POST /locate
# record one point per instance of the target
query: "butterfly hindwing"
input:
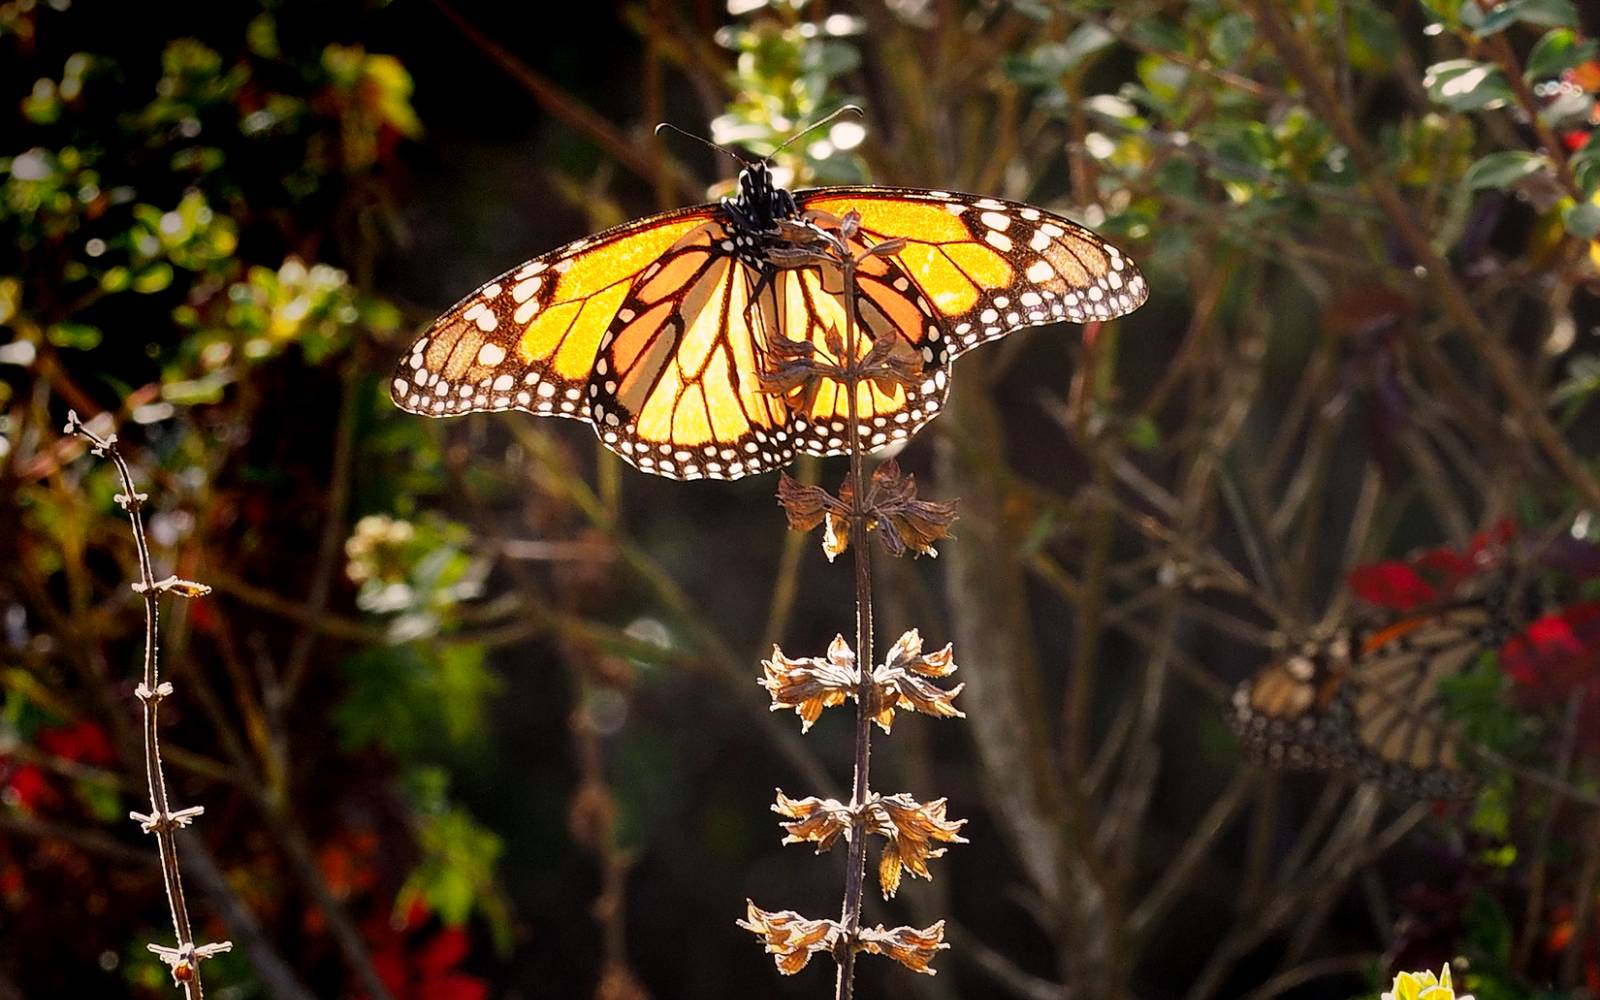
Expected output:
(991, 266)
(1396, 704)
(1289, 713)
(807, 305)
(676, 388)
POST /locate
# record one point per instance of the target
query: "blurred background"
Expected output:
(473, 708)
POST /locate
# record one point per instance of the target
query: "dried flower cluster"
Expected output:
(791, 940)
(904, 681)
(902, 521)
(909, 826)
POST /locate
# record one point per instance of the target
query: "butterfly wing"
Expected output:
(528, 339)
(677, 386)
(663, 332)
(1381, 715)
(1288, 714)
(989, 266)
(1396, 707)
(807, 305)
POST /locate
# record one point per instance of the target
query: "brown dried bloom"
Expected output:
(911, 827)
(803, 505)
(821, 821)
(902, 521)
(791, 939)
(791, 365)
(901, 682)
(810, 684)
(912, 948)
(808, 506)
(893, 511)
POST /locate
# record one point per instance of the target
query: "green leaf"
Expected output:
(153, 278)
(1142, 434)
(1374, 38)
(10, 298)
(1504, 169)
(1585, 164)
(1582, 220)
(1231, 38)
(1478, 701)
(456, 873)
(76, 336)
(1046, 64)
(1579, 387)
(1466, 85)
(1491, 811)
(1161, 33)
(1088, 39)
(102, 802)
(1558, 51)
(1547, 13)
(115, 279)
(1552, 13)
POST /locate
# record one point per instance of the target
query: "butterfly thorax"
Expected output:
(755, 212)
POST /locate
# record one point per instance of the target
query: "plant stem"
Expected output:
(150, 696)
(855, 870)
(184, 960)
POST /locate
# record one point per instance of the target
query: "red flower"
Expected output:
(1392, 585)
(1430, 575)
(84, 742)
(26, 787)
(1556, 657)
(416, 968)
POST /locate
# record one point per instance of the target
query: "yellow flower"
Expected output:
(1423, 986)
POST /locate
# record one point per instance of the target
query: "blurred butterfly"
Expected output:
(1368, 701)
(660, 332)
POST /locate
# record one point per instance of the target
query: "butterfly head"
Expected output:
(761, 203)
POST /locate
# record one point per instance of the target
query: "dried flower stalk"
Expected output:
(888, 506)
(183, 960)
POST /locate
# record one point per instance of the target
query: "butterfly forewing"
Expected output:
(528, 339)
(991, 266)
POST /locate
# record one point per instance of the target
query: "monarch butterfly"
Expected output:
(659, 332)
(1369, 700)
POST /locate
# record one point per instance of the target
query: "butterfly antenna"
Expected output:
(848, 109)
(669, 127)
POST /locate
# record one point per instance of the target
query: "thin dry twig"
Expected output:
(183, 960)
